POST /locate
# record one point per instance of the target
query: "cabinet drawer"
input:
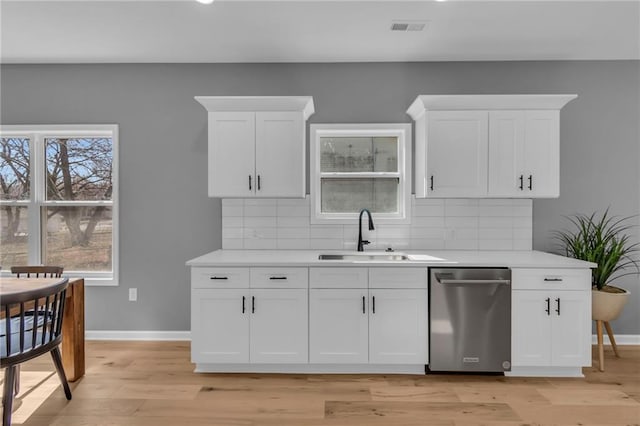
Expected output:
(219, 277)
(551, 279)
(338, 277)
(400, 277)
(279, 278)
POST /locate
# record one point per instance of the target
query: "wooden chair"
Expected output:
(38, 271)
(25, 337)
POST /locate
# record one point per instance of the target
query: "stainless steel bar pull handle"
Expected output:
(530, 182)
(258, 182)
(464, 282)
(249, 182)
(277, 278)
(553, 279)
(431, 179)
(373, 306)
(548, 310)
(521, 187)
(558, 304)
(253, 304)
(363, 305)
(218, 278)
(243, 300)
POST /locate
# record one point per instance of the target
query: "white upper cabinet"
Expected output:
(456, 154)
(257, 145)
(487, 145)
(524, 153)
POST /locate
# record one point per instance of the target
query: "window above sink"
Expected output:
(356, 166)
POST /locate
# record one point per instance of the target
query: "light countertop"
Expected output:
(485, 258)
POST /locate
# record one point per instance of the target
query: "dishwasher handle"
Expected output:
(472, 281)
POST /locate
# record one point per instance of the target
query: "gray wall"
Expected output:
(166, 217)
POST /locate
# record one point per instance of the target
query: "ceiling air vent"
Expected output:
(408, 25)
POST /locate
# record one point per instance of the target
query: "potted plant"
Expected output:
(603, 240)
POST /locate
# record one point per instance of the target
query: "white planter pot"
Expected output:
(607, 306)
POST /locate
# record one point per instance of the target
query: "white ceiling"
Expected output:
(94, 31)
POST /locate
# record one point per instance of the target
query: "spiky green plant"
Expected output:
(603, 241)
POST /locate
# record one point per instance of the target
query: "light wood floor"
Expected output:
(152, 384)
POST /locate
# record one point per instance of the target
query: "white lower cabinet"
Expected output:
(376, 326)
(278, 326)
(338, 326)
(262, 318)
(551, 326)
(219, 327)
(240, 326)
(398, 326)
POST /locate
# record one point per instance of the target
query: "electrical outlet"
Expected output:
(133, 294)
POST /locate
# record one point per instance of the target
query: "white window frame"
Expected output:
(37, 197)
(402, 131)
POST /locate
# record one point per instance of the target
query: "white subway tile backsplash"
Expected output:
(326, 243)
(259, 233)
(326, 231)
(292, 222)
(260, 211)
(428, 210)
(232, 222)
(260, 202)
(426, 244)
(522, 244)
(260, 244)
(461, 210)
(522, 233)
(463, 224)
(232, 243)
(232, 232)
(260, 222)
(293, 243)
(291, 210)
(461, 244)
(495, 244)
(232, 210)
(495, 222)
(293, 233)
(495, 234)
(426, 233)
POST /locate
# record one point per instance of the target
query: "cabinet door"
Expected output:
(457, 153)
(279, 321)
(280, 154)
(571, 328)
(219, 328)
(231, 154)
(338, 326)
(542, 153)
(506, 154)
(531, 328)
(398, 327)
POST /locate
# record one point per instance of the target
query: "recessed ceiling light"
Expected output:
(205, 1)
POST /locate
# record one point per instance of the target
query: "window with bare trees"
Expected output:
(58, 195)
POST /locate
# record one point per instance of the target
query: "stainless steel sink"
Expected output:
(364, 257)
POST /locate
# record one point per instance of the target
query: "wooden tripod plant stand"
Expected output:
(601, 344)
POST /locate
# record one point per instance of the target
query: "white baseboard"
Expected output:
(621, 339)
(136, 335)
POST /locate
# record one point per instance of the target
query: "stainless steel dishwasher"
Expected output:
(470, 319)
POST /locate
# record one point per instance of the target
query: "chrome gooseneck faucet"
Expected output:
(361, 242)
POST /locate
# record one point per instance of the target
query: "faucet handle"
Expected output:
(365, 242)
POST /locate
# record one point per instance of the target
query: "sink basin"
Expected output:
(382, 257)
